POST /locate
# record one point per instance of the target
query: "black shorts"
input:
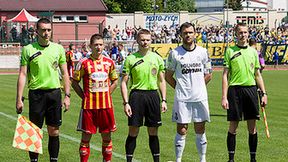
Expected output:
(243, 100)
(145, 104)
(45, 104)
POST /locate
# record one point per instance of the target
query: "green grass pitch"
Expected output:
(269, 150)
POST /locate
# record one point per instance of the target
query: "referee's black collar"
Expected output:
(44, 45)
(189, 50)
(242, 47)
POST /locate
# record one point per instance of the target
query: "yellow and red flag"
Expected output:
(27, 136)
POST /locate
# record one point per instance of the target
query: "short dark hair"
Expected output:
(239, 24)
(95, 37)
(43, 20)
(70, 46)
(143, 31)
(186, 25)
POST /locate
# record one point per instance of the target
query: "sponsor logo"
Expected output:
(99, 76)
(191, 68)
(154, 71)
(252, 66)
(55, 65)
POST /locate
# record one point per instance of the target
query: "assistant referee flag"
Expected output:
(27, 136)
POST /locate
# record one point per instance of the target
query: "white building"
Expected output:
(262, 5)
(255, 5)
(279, 5)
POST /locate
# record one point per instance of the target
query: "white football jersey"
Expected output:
(189, 68)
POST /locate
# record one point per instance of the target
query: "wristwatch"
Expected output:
(68, 95)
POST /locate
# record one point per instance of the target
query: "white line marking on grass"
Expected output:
(74, 139)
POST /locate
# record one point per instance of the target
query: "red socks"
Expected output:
(84, 151)
(107, 150)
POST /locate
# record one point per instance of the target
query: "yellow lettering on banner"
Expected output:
(268, 55)
(217, 50)
(285, 58)
(163, 49)
(280, 48)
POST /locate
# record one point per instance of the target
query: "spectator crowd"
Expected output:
(114, 50)
(205, 34)
(24, 36)
(162, 34)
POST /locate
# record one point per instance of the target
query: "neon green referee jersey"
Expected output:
(242, 63)
(42, 65)
(144, 70)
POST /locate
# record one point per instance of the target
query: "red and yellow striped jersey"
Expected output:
(70, 63)
(97, 75)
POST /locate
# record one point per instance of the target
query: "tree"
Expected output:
(113, 6)
(147, 6)
(130, 6)
(180, 5)
(235, 4)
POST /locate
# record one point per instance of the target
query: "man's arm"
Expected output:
(20, 88)
(77, 88)
(124, 93)
(66, 80)
(113, 85)
(225, 103)
(260, 84)
(170, 79)
(162, 87)
(207, 78)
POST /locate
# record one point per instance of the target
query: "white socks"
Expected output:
(201, 143)
(179, 146)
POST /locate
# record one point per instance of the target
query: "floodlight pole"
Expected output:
(154, 10)
(227, 8)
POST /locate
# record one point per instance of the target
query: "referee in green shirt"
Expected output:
(40, 62)
(145, 69)
(239, 91)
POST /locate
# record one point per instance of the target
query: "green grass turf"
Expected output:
(269, 150)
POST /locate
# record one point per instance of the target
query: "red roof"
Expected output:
(23, 16)
(53, 5)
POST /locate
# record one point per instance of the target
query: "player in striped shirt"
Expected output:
(70, 59)
(99, 81)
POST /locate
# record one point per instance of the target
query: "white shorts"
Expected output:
(187, 112)
(114, 57)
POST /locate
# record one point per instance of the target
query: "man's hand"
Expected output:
(264, 100)
(164, 107)
(127, 110)
(66, 103)
(225, 104)
(19, 106)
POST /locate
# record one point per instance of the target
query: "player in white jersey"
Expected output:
(192, 68)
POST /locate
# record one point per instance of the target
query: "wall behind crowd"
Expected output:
(270, 18)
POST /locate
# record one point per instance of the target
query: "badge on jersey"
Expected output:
(153, 71)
